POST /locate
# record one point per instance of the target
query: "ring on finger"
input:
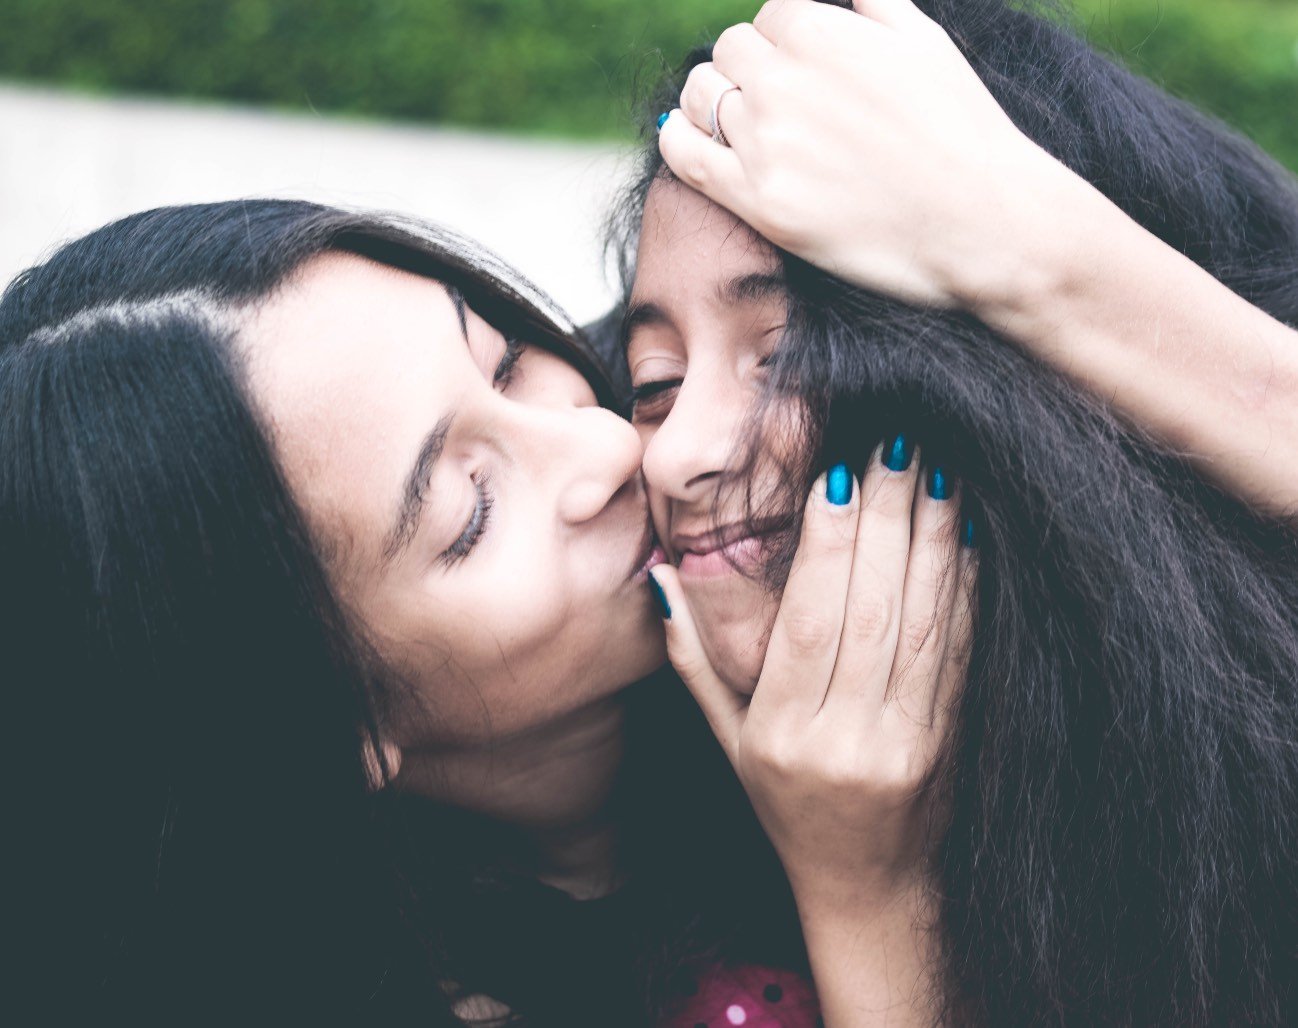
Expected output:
(718, 134)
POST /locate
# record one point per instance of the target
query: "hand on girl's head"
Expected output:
(903, 201)
(865, 663)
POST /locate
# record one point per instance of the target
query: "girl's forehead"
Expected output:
(683, 229)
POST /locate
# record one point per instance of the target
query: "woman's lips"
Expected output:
(739, 553)
(656, 556)
(649, 555)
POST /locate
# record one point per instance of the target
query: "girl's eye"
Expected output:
(504, 373)
(476, 526)
(770, 339)
(653, 399)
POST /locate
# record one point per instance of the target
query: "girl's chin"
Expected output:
(734, 615)
(737, 657)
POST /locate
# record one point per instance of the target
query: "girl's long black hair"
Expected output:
(187, 705)
(1124, 773)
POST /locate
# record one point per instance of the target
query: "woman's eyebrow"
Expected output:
(765, 285)
(412, 494)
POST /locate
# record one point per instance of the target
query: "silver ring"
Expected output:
(718, 135)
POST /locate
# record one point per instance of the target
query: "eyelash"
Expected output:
(646, 392)
(643, 394)
(480, 519)
(477, 526)
(504, 373)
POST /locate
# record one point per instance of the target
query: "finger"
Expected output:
(742, 54)
(896, 14)
(721, 705)
(927, 598)
(873, 609)
(804, 639)
(959, 643)
(715, 171)
(798, 25)
(706, 92)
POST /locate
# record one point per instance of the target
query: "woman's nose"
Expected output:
(695, 442)
(590, 454)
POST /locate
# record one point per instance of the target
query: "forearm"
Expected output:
(1142, 327)
(873, 963)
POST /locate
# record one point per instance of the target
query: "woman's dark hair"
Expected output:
(189, 706)
(1124, 772)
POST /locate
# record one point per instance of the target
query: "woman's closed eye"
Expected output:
(653, 398)
(507, 368)
(476, 527)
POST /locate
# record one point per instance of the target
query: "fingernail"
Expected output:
(969, 537)
(939, 483)
(662, 119)
(897, 454)
(838, 485)
(660, 598)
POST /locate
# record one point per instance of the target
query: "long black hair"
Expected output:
(1124, 768)
(188, 706)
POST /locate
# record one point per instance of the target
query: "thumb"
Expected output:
(722, 706)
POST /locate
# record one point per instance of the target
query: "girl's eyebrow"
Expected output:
(764, 285)
(640, 314)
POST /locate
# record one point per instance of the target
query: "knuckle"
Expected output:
(728, 42)
(775, 199)
(869, 618)
(689, 664)
(843, 771)
(897, 776)
(808, 631)
(916, 635)
(805, 34)
(935, 32)
(692, 87)
(773, 754)
(694, 170)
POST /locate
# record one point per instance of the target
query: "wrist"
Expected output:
(864, 896)
(1036, 252)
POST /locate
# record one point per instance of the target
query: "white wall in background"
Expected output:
(70, 163)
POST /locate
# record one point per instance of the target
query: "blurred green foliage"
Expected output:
(560, 66)
(1235, 58)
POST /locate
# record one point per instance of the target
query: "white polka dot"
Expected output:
(735, 1014)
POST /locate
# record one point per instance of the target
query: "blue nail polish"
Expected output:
(969, 537)
(660, 598)
(897, 454)
(939, 484)
(838, 485)
(662, 119)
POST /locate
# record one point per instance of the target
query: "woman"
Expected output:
(870, 145)
(1115, 820)
(298, 501)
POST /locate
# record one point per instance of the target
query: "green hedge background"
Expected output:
(563, 67)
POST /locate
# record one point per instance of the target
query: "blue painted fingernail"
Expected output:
(969, 537)
(897, 454)
(660, 598)
(838, 485)
(939, 483)
(662, 119)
